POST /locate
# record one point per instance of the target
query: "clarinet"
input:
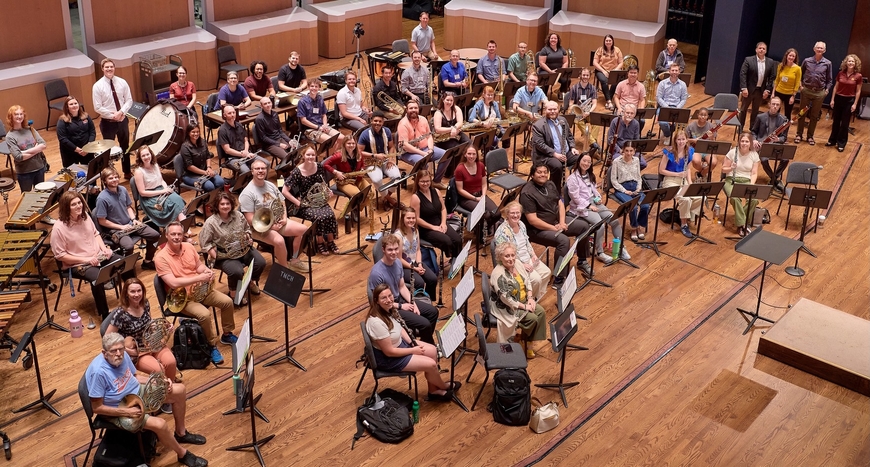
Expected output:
(402, 323)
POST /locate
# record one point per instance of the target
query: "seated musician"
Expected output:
(491, 68)
(413, 265)
(765, 125)
(545, 217)
(159, 200)
(226, 239)
(453, 76)
(374, 144)
(627, 183)
(114, 212)
(233, 140)
(671, 93)
(311, 112)
(416, 80)
(622, 129)
(529, 99)
(630, 91)
(112, 376)
(75, 128)
(552, 57)
(346, 160)
(432, 217)
(130, 320)
(417, 142)
(418, 314)
(703, 164)
(423, 39)
(448, 122)
(486, 113)
(268, 127)
(233, 94)
(674, 166)
(583, 91)
(307, 175)
(553, 143)
(515, 305)
(585, 202)
(513, 231)
(518, 63)
(395, 350)
(258, 84)
(671, 55)
(262, 193)
(471, 184)
(354, 114)
(197, 162)
(390, 88)
(77, 244)
(607, 58)
(741, 166)
(291, 76)
(184, 93)
(179, 265)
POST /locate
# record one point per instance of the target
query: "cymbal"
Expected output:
(99, 146)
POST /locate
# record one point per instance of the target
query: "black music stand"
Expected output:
(777, 153)
(562, 328)
(355, 209)
(43, 401)
(511, 132)
(452, 155)
(240, 385)
(593, 229)
(643, 146)
(769, 248)
(616, 76)
(713, 114)
(644, 114)
(285, 285)
(308, 244)
(456, 318)
(463, 101)
(622, 211)
(672, 115)
(657, 196)
(808, 198)
(748, 192)
(704, 190)
(97, 164)
(707, 146)
(568, 289)
(546, 81)
(510, 89)
(603, 120)
(419, 165)
(255, 443)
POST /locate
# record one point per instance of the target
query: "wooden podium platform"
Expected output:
(822, 341)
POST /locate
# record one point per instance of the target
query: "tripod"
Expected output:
(357, 57)
(43, 401)
(704, 190)
(808, 198)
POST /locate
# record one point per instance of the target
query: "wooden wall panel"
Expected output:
(462, 31)
(117, 20)
(638, 10)
(35, 26)
(231, 9)
(32, 98)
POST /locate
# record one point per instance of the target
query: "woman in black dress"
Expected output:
(551, 58)
(432, 221)
(316, 208)
(74, 130)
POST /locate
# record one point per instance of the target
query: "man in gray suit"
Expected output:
(553, 143)
(756, 82)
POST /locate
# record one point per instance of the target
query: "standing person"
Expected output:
(491, 68)
(354, 114)
(454, 77)
(513, 231)
(669, 56)
(529, 100)
(702, 163)
(226, 239)
(552, 57)
(554, 143)
(26, 148)
(788, 81)
(756, 82)
(233, 94)
(817, 75)
(303, 178)
(159, 200)
(471, 184)
(184, 92)
(74, 130)
(390, 88)
(741, 166)
(112, 101)
(412, 253)
(626, 180)
(179, 265)
(423, 39)
(416, 80)
(674, 166)
(258, 84)
(585, 202)
(412, 127)
(607, 58)
(447, 122)
(845, 100)
(311, 112)
(268, 127)
(672, 93)
(432, 219)
(515, 304)
(291, 76)
(376, 144)
(765, 125)
(197, 162)
(114, 212)
(518, 63)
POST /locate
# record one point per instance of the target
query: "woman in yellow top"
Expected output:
(608, 58)
(788, 82)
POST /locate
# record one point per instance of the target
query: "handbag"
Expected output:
(545, 417)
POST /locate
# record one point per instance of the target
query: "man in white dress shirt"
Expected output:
(112, 100)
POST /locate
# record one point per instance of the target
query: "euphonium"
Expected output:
(628, 61)
(394, 106)
(154, 393)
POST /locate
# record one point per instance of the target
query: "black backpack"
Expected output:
(390, 423)
(191, 348)
(120, 448)
(512, 398)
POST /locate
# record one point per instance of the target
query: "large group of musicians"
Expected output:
(410, 113)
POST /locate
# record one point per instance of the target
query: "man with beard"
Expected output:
(258, 83)
(554, 143)
(291, 76)
(411, 128)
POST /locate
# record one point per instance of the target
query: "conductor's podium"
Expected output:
(472, 23)
(381, 20)
(269, 37)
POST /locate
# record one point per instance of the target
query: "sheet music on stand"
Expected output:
(241, 347)
(243, 284)
(567, 258)
(476, 214)
(464, 289)
(569, 288)
(452, 334)
(460, 259)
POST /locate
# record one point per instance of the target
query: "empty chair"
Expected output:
(54, 90)
(800, 173)
(493, 357)
(226, 57)
(497, 160)
(211, 104)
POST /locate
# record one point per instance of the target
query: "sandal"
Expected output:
(811, 141)
(333, 248)
(321, 248)
(797, 139)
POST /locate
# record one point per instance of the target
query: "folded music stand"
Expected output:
(810, 199)
(769, 248)
(658, 196)
(355, 209)
(748, 192)
(777, 153)
(704, 190)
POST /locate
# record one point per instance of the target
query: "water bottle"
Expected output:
(280, 183)
(415, 412)
(716, 211)
(75, 324)
(614, 253)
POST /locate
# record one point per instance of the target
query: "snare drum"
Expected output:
(116, 153)
(170, 117)
(45, 187)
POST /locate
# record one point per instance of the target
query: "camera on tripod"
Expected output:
(358, 30)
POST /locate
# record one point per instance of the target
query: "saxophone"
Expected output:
(350, 177)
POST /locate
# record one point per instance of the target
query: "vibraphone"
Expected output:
(30, 209)
(10, 303)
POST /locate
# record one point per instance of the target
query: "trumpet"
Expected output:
(394, 106)
(161, 200)
(200, 182)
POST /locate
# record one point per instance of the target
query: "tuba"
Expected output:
(394, 106)
(628, 61)
(154, 393)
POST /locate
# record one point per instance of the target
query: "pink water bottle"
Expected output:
(75, 324)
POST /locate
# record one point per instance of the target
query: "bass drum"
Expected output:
(171, 117)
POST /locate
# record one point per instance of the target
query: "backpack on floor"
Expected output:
(191, 349)
(385, 420)
(512, 397)
(120, 448)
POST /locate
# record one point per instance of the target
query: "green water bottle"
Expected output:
(415, 412)
(614, 253)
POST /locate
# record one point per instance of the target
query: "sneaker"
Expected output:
(216, 356)
(557, 283)
(624, 255)
(298, 266)
(48, 220)
(192, 460)
(166, 408)
(229, 339)
(584, 267)
(686, 232)
(604, 257)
